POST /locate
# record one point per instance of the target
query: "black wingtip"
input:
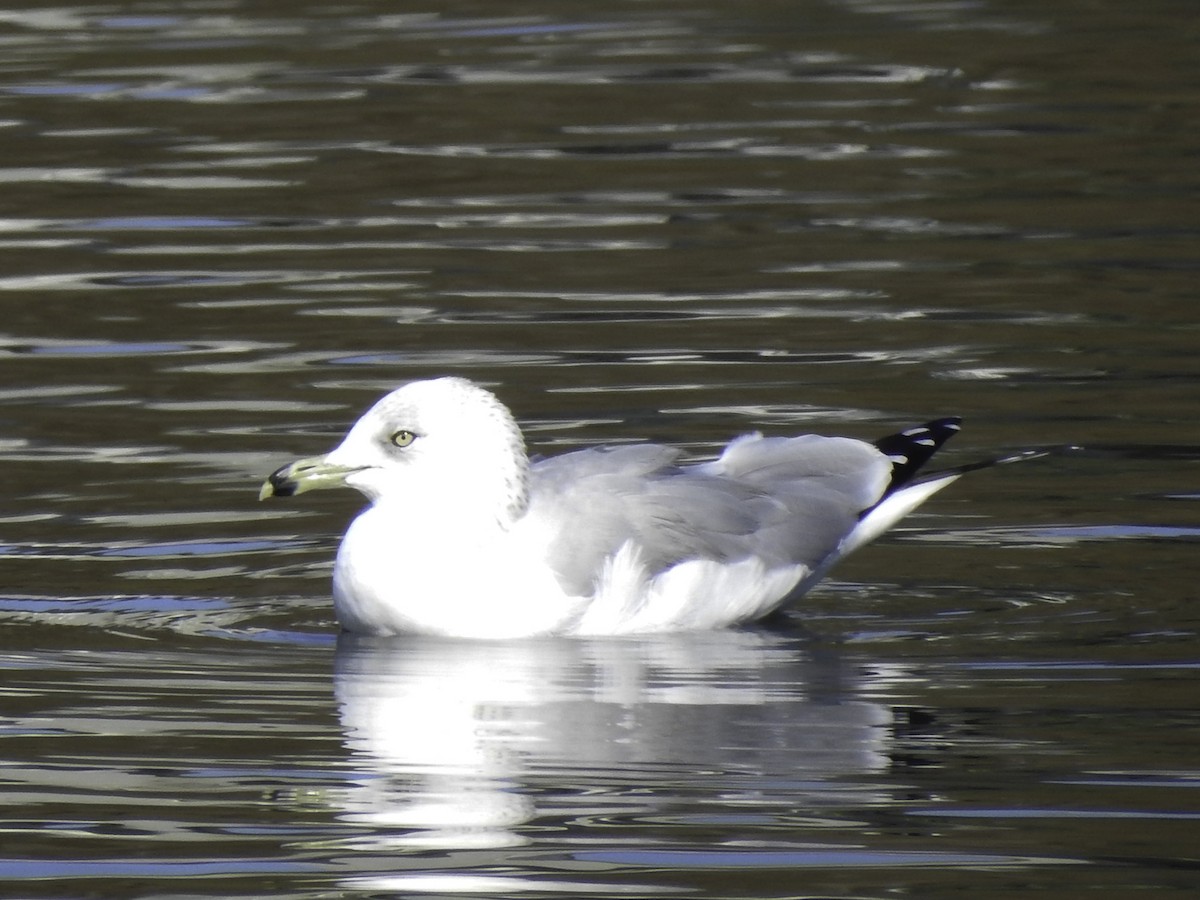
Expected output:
(1021, 456)
(911, 448)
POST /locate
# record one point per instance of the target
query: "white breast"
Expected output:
(395, 575)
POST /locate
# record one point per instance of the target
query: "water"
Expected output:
(226, 227)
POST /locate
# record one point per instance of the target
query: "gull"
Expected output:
(466, 536)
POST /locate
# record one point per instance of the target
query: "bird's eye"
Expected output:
(402, 438)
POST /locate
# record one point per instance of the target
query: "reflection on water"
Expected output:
(449, 732)
(460, 747)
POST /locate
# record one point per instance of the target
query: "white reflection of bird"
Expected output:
(463, 744)
(465, 536)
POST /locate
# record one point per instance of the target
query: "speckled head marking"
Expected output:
(446, 440)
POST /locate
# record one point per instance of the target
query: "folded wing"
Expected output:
(781, 501)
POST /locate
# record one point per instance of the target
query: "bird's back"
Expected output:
(782, 501)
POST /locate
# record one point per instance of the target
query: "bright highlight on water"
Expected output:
(466, 536)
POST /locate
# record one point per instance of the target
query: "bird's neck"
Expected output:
(467, 497)
(509, 490)
(503, 480)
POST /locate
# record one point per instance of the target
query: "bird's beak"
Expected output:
(303, 475)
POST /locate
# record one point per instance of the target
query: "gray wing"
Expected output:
(783, 500)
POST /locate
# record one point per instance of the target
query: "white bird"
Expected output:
(466, 536)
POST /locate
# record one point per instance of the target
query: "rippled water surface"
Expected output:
(226, 227)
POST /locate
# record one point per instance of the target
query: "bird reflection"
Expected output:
(458, 744)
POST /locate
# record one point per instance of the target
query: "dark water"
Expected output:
(226, 227)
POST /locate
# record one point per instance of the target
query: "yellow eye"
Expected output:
(402, 438)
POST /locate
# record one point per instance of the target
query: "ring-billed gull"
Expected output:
(466, 536)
